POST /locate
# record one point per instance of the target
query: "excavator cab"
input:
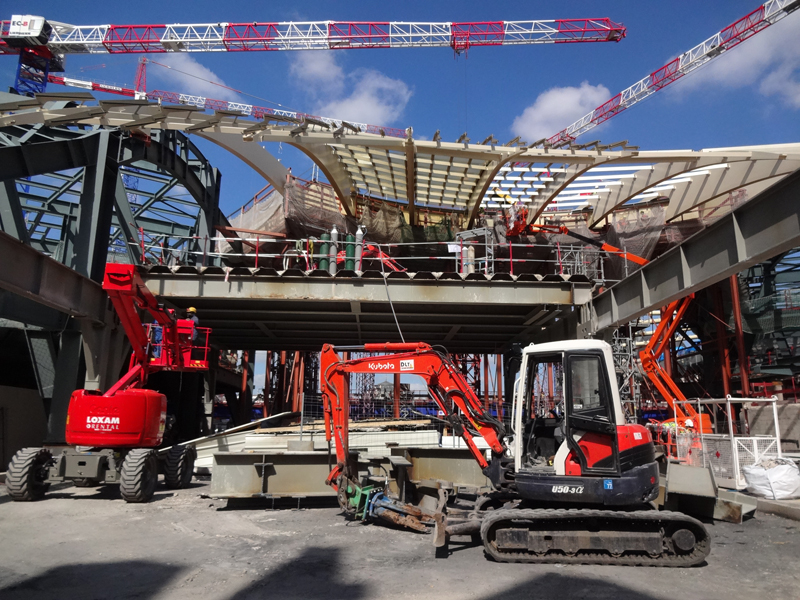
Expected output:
(573, 444)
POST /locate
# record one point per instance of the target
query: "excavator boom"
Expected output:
(447, 386)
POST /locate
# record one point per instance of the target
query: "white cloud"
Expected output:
(374, 98)
(770, 59)
(259, 371)
(188, 76)
(557, 108)
(319, 70)
(363, 96)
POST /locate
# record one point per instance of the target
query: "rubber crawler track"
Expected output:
(647, 520)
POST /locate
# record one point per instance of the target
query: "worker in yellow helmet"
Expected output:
(191, 315)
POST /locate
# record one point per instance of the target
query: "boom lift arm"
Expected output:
(128, 293)
(670, 320)
(520, 227)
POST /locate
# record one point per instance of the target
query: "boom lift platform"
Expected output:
(112, 434)
(571, 483)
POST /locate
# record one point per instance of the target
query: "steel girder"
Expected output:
(60, 175)
(30, 274)
(61, 194)
(756, 231)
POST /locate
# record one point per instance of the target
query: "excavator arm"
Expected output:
(447, 386)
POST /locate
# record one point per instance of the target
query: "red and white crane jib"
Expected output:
(765, 15)
(318, 35)
(258, 112)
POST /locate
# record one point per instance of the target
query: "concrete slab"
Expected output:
(789, 509)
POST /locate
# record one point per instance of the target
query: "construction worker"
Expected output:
(191, 315)
(198, 353)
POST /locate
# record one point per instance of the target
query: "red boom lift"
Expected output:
(113, 434)
(520, 226)
(685, 415)
(583, 457)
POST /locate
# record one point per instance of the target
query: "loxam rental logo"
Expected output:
(102, 423)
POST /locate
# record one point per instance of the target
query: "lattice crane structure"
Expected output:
(42, 44)
(522, 182)
(734, 34)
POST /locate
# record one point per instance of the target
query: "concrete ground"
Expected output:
(88, 544)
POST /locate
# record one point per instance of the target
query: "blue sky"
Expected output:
(750, 95)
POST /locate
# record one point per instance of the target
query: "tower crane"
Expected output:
(731, 36)
(258, 112)
(42, 44)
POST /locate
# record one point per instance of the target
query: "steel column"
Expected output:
(736, 307)
(86, 241)
(68, 378)
(126, 221)
(11, 219)
(499, 383)
(722, 342)
(396, 395)
(43, 358)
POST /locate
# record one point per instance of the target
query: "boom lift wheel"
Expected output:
(139, 475)
(26, 478)
(179, 466)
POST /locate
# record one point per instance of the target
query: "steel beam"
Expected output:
(764, 227)
(366, 290)
(23, 310)
(11, 219)
(30, 274)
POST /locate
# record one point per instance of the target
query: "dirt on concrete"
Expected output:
(86, 543)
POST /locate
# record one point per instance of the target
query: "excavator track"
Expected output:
(584, 536)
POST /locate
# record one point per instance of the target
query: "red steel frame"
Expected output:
(243, 37)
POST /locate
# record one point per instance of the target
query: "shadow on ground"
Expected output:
(315, 573)
(576, 587)
(125, 579)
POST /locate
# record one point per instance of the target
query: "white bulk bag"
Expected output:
(775, 479)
